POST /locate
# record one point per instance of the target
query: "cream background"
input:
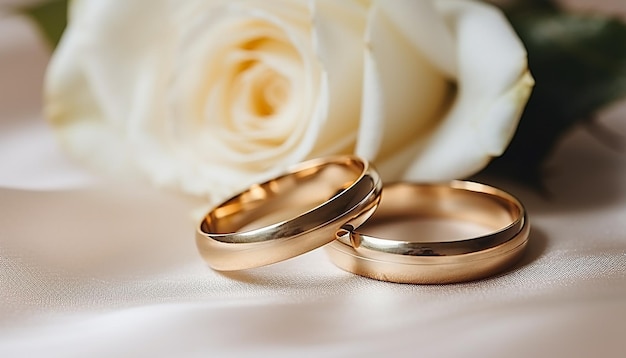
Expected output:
(92, 269)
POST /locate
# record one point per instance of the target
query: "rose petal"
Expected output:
(97, 80)
(221, 151)
(421, 24)
(337, 40)
(493, 86)
(403, 94)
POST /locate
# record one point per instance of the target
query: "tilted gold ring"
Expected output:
(417, 260)
(289, 215)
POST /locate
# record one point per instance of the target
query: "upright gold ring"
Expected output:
(294, 213)
(416, 260)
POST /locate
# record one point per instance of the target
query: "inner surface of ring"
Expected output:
(488, 216)
(283, 198)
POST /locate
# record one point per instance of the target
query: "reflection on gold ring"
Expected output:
(422, 260)
(292, 214)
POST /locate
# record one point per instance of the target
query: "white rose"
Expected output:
(210, 96)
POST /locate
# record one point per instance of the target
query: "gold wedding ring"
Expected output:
(289, 215)
(416, 260)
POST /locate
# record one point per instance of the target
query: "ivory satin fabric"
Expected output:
(90, 269)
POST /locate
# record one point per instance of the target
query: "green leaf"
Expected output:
(579, 65)
(51, 17)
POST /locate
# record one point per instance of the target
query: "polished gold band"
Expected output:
(425, 262)
(289, 215)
